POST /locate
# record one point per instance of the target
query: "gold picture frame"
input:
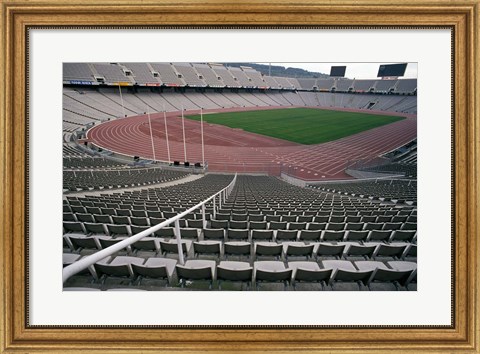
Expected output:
(461, 16)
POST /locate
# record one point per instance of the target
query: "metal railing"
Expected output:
(84, 263)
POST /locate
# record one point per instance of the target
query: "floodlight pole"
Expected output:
(184, 142)
(166, 132)
(121, 99)
(201, 127)
(151, 134)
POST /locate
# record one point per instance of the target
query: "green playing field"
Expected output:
(301, 125)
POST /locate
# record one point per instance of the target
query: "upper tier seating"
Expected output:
(142, 73)
(189, 75)
(111, 73)
(77, 71)
(167, 74)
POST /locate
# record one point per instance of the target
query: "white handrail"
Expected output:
(83, 263)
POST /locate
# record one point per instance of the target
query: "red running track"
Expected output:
(234, 150)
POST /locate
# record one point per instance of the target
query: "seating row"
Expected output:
(130, 209)
(102, 224)
(362, 275)
(256, 247)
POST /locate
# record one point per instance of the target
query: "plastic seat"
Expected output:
(147, 244)
(354, 226)
(271, 218)
(95, 229)
(238, 224)
(268, 249)
(196, 270)
(223, 217)
(119, 267)
(256, 217)
(121, 220)
(309, 235)
(207, 247)
(340, 219)
(236, 248)
(67, 216)
(166, 232)
(139, 221)
(237, 234)
(358, 236)
(262, 235)
(309, 272)
(139, 213)
(172, 247)
(409, 226)
(305, 218)
(85, 217)
(137, 229)
(120, 230)
(379, 235)
(277, 225)
(214, 234)
(373, 226)
(345, 272)
(382, 274)
(104, 219)
(239, 217)
(108, 211)
(286, 235)
(384, 219)
(258, 225)
(297, 226)
(198, 224)
(156, 221)
(321, 219)
(155, 268)
(106, 242)
(392, 226)
(298, 249)
(154, 214)
(403, 236)
(329, 250)
(316, 226)
(124, 212)
(234, 272)
(189, 233)
(80, 242)
(333, 235)
(74, 227)
(363, 251)
(271, 271)
(289, 218)
(390, 251)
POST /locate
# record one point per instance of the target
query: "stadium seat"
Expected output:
(234, 272)
(271, 271)
(196, 270)
(154, 268)
(309, 272)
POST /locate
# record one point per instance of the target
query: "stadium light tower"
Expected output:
(166, 132)
(184, 142)
(151, 134)
(201, 127)
(121, 99)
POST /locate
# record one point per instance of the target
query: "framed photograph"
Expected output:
(211, 153)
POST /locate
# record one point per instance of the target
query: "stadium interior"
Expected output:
(158, 195)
